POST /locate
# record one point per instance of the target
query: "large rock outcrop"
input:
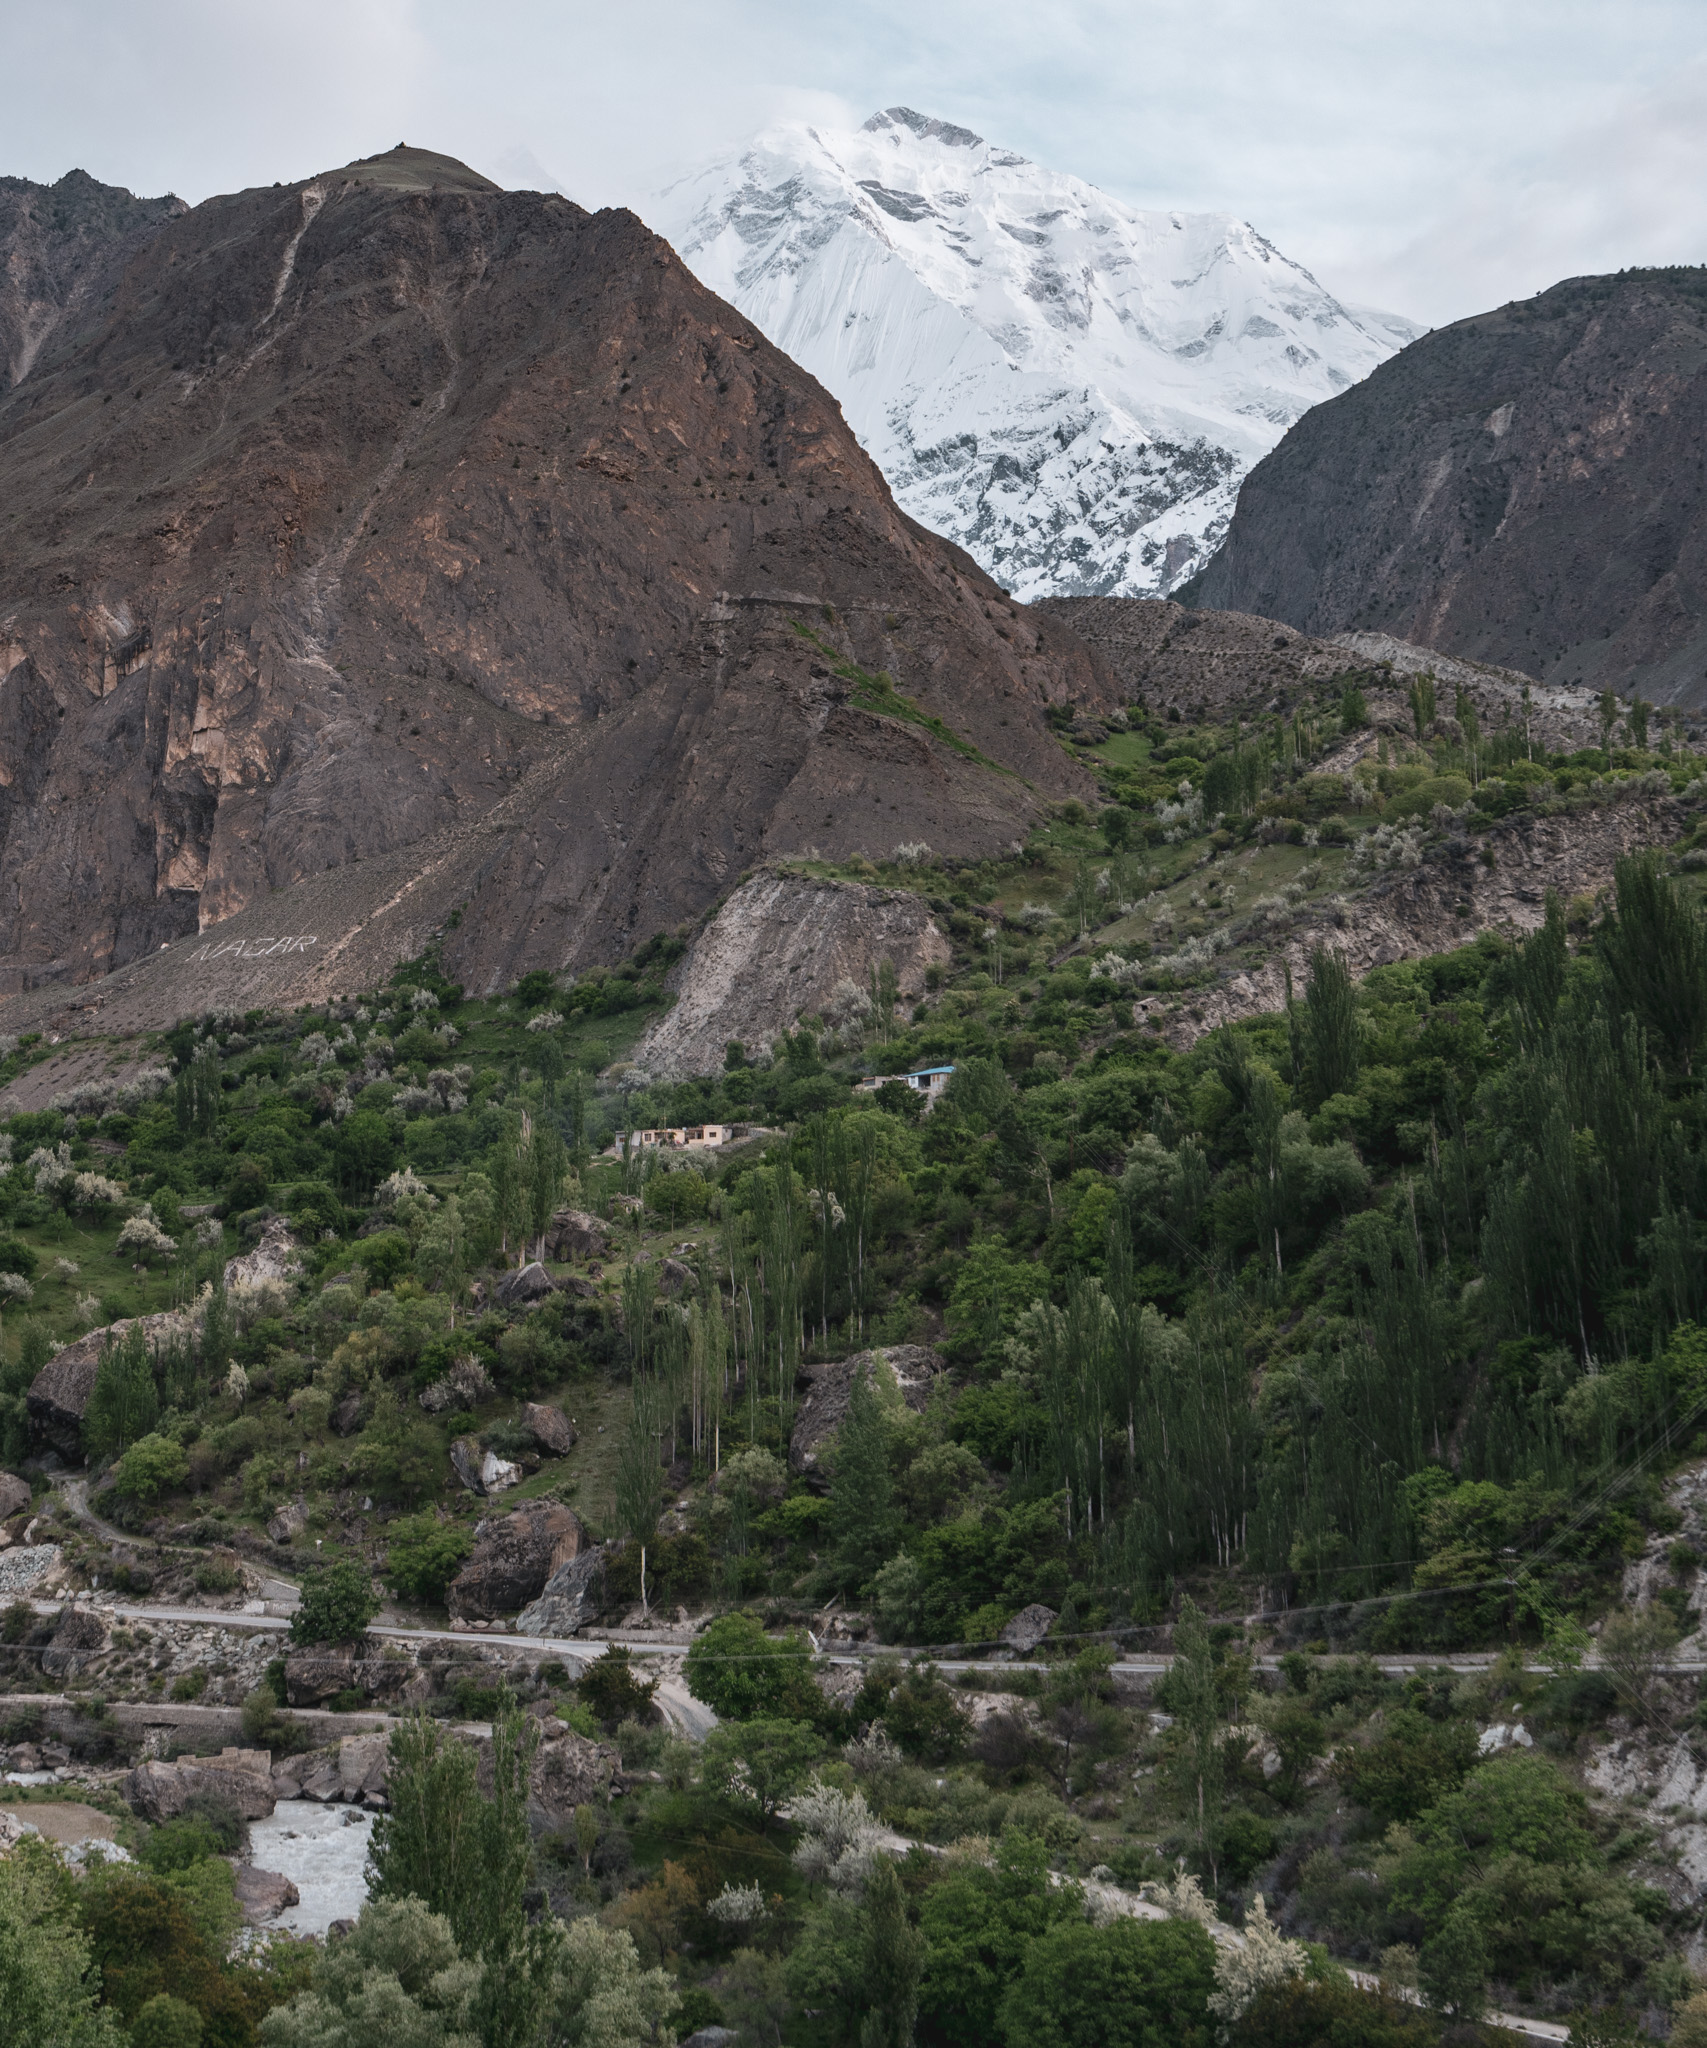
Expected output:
(241, 1779)
(58, 1396)
(312, 1676)
(570, 1598)
(568, 1771)
(451, 548)
(573, 1234)
(827, 1389)
(1520, 488)
(783, 945)
(275, 1262)
(1497, 881)
(513, 1558)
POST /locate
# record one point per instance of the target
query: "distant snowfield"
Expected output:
(1069, 388)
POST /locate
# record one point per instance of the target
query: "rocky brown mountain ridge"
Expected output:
(1214, 665)
(449, 558)
(63, 248)
(1523, 488)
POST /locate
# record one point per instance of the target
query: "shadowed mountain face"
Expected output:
(1525, 488)
(458, 544)
(62, 248)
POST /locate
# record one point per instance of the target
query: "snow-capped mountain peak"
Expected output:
(1068, 387)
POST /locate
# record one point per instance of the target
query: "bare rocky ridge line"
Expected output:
(406, 503)
(1209, 664)
(1519, 488)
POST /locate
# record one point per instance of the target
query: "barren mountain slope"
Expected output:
(1207, 664)
(374, 500)
(1523, 488)
(62, 248)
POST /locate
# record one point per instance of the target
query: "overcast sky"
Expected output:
(1431, 156)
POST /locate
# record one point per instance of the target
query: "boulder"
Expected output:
(241, 1779)
(320, 1778)
(568, 1771)
(513, 1560)
(289, 1522)
(311, 1676)
(531, 1283)
(572, 1596)
(287, 1775)
(829, 1387)
(482, 1472)
(15, 1493)
(466, 1385)
(552, 1430)
(573, 1234)
(13, 1830)
(275, 1260)
(80, 1636)
(676, 1277)
(347, 1416)
(315, 1675)
(583, 1290)
(362, 1764)
(1028, 1627)
(59, 1393)
(263, 1894)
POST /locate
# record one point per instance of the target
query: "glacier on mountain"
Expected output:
(1069, 388)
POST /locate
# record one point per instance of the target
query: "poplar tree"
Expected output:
(1654, 955)
(125, 1403)
(639, 1487)
(891, 1962)
(1331, 1050)
(863, 1521)
(1196, 1704)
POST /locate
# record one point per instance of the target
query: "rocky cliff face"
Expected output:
(1169, 657)
(785, 944)
(1523, 488)
(446, 557)
(1207, 664)
(62, 250)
